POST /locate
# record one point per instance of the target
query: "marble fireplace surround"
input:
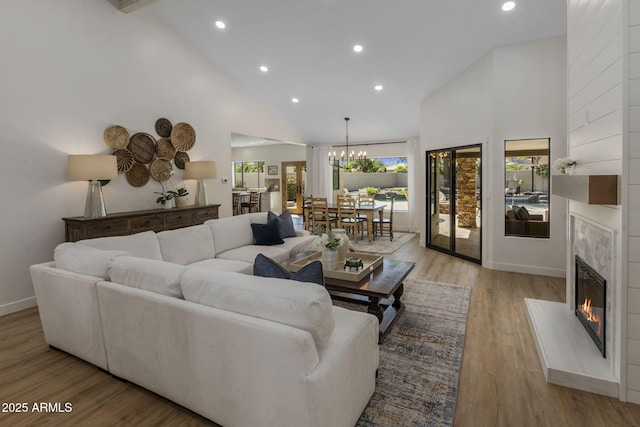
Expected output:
(567, 353)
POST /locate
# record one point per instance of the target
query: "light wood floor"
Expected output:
(501, 381)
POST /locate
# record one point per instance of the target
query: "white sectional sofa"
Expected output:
(179, 313)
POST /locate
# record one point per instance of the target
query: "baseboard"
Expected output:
(527, 269)
(14, 307)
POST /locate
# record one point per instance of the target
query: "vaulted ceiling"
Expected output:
(410, 47)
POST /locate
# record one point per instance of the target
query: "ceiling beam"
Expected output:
(128, 6)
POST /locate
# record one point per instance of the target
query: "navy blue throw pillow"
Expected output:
(264, 266)
(285, 223)
(266, 234)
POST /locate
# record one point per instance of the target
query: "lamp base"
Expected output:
(201, 194)
(94, 206)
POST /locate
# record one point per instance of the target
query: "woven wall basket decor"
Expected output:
(165, 149)
(124, 159)
(138, 175)
(161, 170)
(183, 136)
(163, 127)
(180, 159)
(143, 147)
(116, 137)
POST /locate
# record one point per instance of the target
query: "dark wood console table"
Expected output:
(124, 223)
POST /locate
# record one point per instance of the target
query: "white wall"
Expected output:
(70, 68)
(272, 155)
(512, 92)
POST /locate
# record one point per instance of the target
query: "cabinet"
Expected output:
(124, 223)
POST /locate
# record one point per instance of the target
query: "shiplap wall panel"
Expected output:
(634, 145)
(633, 352)
(634, 171)
(634, 275)
(596, 113)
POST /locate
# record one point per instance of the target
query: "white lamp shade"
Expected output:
(88, 167)
(200, 170)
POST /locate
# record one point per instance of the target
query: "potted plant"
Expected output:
(329, 243)
(180, 196)
(165, 199)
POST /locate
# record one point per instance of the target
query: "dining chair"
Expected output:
(381, 223)
(366, 200)
(306, 212)
(320, 214)
(348, 217)
(235, 203)
(251, 205)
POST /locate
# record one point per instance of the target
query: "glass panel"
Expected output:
(292, 187)
(468, 219)
(526, 187)
(440, 187)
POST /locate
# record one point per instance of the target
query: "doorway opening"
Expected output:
(294, 179)
(454, 195)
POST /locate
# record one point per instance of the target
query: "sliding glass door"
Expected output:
(454, 211)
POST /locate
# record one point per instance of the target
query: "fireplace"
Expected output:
(591, 302)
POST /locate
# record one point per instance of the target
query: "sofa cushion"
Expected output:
(266, 234)
(285, 223)
(84, 259)
(302, 305)
(142, 245)
(266, 267)
(152, 275)
(230, 232)
(220, 264)
(187, 245)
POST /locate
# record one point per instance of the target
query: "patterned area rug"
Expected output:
(382, 244)
(420, 359)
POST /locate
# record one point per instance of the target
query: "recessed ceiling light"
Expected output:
(295, 100)
(378, 87)
(358, 48)
(264, 68)
(221, 25)
(507, 6)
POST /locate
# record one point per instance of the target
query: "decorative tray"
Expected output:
(369, 263)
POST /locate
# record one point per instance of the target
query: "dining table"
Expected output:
(368, 210)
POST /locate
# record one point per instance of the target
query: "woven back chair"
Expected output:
(320, 213)
(348, 217)
(379, 224)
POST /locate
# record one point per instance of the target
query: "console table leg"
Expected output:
(375, 308)
(396, 296)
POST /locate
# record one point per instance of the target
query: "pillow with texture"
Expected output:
(285, 223)
(524, 214)
(264, 266)
(266, 234)
(85, 259)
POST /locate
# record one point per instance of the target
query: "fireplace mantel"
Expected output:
(590, 189)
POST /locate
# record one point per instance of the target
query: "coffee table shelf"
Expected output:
(370, 262)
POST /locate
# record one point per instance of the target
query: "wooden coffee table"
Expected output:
(375, 291)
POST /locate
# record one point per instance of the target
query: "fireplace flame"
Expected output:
(590, 315)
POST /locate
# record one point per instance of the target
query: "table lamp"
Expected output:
(200, 170)
(93, 168)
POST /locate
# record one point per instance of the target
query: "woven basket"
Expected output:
(183, 136)
(116, 137)
(180, 159)
(124, 159)
(163, 127)
(161, 170)
(138, 175)
(143, 147)
(165, 149)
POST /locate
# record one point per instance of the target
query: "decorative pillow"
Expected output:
(516, 212)
(84, 259)
(266, 234)
(264, 266)
(148, 274)
(285, 223)
(524, 214)
(301, 305)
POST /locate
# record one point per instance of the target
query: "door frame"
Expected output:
(452, 205)
(300, 166)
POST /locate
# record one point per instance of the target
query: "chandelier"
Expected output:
(346, 156)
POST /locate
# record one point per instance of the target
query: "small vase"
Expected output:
(329, 259)
(168, 204)
(181, 201)
(342, 250)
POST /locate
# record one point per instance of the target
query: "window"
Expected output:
(526, 187)
(381, 176)
(248, 174)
